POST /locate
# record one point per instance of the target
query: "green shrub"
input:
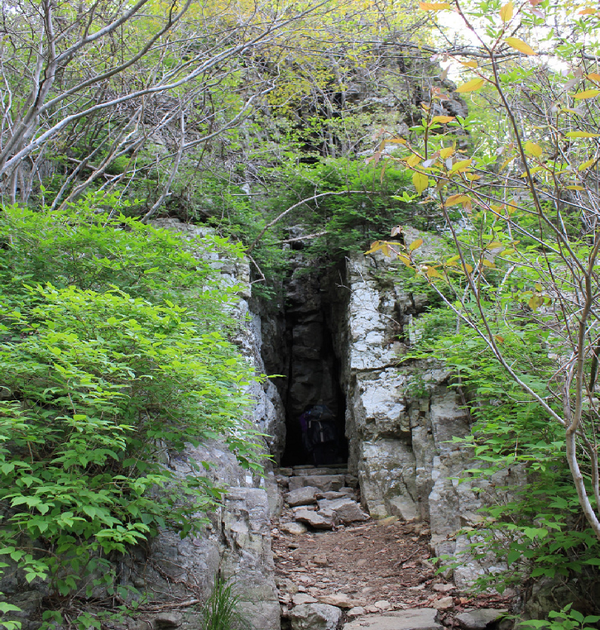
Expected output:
(114, 355)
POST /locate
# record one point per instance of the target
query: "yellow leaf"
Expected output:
(442, 119)
(582, 134)
(461, 165)
(506, 12)
(470, 86)
(447, 152)
(533, 149)
(575, 188)
(420, 181)
(469, 64)
(433, 6)
(593, 76)
(451, 262)
(488, 263)
(468, 268)
(403, 258)
(413, 160)
(415, 244)
(499, 338)
(587, 11)
(533, 171)
(535, 301)
(494, 245)
(537, 286)
(587, 164)
(453, 200)
(375, 247)
(520, 45)
(472, 178)
(585, 94)
(432, 272)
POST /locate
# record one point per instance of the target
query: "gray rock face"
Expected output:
(421, 619)
(315, 617)
(237, 544)
(401, 418)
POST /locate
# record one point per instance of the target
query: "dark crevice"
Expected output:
(305, 351)
(313, 369)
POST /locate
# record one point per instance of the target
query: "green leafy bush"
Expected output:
(114, 355)
(349, 222)
(341, 206)
(565, 619)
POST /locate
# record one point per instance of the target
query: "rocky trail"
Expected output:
(337, 568)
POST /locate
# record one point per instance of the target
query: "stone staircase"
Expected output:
(319, 497)
(324, 478)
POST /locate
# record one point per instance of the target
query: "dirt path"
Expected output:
(376, 565)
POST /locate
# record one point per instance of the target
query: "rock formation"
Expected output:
(339, 341)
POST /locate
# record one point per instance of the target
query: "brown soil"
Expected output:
(373, 561)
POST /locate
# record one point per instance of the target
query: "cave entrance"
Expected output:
(312, 315)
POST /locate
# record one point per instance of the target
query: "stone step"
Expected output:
(305, 471)
(411, 619)
(324, 483)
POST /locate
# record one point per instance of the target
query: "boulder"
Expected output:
(302, 496)
(166, 620)
(296, 529)
(348, 511)
(303, 598)
(313, 519)
(324, 483)
(315, 617)
(336, 494)
(357, 611)
(479, 618)
(444, 603)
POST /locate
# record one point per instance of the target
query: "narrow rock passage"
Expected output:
(366, 569)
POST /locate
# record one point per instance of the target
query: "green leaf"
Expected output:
(513, 556)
